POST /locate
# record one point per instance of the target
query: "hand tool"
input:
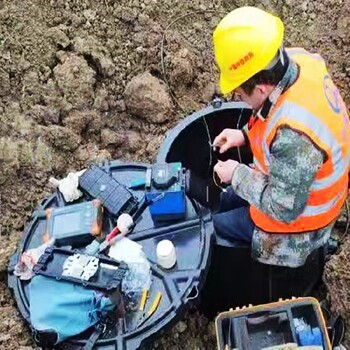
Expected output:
(155, 303)
(144, 297)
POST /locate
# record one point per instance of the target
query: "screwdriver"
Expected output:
(152, 308)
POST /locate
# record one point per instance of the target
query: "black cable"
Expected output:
(162, 50)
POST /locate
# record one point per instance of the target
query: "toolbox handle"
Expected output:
(263, 317)
(258, 319)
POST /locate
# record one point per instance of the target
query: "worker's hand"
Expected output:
(227, 139)
(225, 170)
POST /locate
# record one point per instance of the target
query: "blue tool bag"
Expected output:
(59, 309)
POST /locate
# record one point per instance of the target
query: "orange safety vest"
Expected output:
(314, 107)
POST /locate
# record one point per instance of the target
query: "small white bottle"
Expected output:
(166, 254)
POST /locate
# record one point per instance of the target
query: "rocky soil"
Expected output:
(82, 81)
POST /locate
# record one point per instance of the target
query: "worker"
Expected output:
(285, 204)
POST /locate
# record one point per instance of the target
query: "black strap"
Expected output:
(99, 330)
(165, 185)
(246, 139)
(336, 326)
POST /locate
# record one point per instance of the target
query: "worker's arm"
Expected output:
(283, 194)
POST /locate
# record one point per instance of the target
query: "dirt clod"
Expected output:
(61, 138)
(112, 138)
(84, 123)
(44, 115)
(59, 37)
(182, 68)
(146, 97)
(75, 81)
(98, 55)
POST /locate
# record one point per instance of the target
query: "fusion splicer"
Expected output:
(168, 179)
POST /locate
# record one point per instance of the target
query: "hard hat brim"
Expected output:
(226, 86)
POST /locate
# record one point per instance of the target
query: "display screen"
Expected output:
(66, 224)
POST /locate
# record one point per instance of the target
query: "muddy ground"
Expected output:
(82, 81)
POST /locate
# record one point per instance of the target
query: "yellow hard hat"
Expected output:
(245, 41)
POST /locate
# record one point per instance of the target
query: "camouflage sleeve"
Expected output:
(283, 194)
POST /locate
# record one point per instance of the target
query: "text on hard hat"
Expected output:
(242, 61)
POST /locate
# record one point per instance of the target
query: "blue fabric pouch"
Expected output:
(64, 308)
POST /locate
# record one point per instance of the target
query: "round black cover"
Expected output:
(179, 286)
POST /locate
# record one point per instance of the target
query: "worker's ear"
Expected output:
(264, 89)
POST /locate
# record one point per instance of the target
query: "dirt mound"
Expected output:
(337, 279)
(64, 101)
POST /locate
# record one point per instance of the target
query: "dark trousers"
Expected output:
(232, 222)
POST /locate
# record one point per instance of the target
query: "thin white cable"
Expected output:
(209, 142)
(211, 157)
(238, 127)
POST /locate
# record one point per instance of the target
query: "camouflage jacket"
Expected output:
(283, 195)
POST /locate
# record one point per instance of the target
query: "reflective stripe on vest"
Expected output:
(301, 115)
(312, 106)
(311, 210)
(302, 224)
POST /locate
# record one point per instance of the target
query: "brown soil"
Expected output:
(67, 99)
